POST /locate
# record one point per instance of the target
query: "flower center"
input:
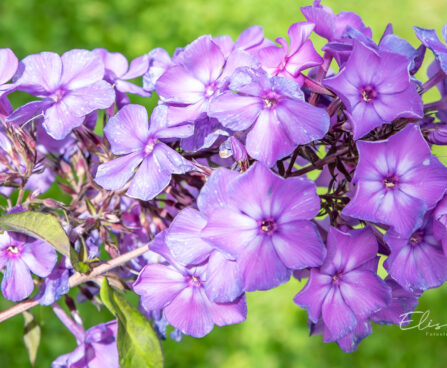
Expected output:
(149, 147)
(271, 100)
(210, 89)
(58, 95)
(368, 93)
(13, 251)
(416, 238)
(390, 181)
(336, 278)
(267, 226)
(195, 281)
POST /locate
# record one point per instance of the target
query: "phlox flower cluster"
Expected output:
(263, 161)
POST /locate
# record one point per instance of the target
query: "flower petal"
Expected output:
(8, 65)
(268, 140)
(40, 257)
(364, 292)
(260, 266)
(230, 230)
(224, 314)
(223, 279)
(114, 175)
(234, 111)
(189, 313)
(177, 85)
(203, 59)
(17, 283)
(127, 131)
(299, 245)
(183, 237)
(81, 68)
(60, 121)
(311, 297)
(158, 285)
(41, 74)
(84, 100)
(337, 316)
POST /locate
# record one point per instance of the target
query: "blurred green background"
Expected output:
(275, 334)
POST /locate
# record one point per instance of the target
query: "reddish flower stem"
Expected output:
(77, 279)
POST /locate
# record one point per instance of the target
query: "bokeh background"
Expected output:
(275, 334)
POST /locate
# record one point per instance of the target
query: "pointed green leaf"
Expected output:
(39, 225)
(138, 344)
(31, 336)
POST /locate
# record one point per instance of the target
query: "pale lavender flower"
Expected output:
(141, 149)
(70, 86)
(397, 181)
(275, 111)
(21, 255)
(377, 94)
(417, 262)
(180, 292)
(263, 222)
(201, 72)
(345, 291)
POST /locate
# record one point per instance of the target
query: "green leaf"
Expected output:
(39, 225)
(138, 345)
(31, 336)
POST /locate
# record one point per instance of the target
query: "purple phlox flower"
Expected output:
(141, 149)
(251, 40)
(96, 348)
(288, 61)
(417, 262)
(201, 73)
(402, 303)
(8, 67)
(331, 26)
(429, 39)
(345, 291)
(396, 181)
(275, 111)
(55, 285)
(70, 85)
(180, 292)
(264, 223)
(21, 255)
(118, 73)
(206, 132)
(393, 43)
(377, 94)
